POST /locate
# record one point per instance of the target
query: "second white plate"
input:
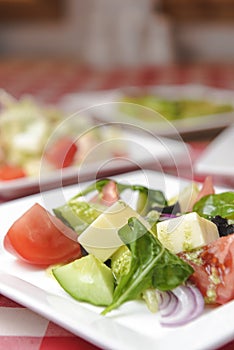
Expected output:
(104, 105)
(217, 159)
(141, 150)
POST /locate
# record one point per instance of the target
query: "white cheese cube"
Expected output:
(101, 237)
(186, 232)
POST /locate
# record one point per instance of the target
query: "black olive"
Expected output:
(223, 226)
(169, 209)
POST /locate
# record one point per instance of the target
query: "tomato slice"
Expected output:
(11, 172)
(109, 195)
(207, 188)
(213, 267)
(62, 153)
(40, 238)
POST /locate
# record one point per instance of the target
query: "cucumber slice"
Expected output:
(87, 279)
(78, 215)
(67, 215)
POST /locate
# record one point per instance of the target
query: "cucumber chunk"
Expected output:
(87, 279)
(67, 215)
(78, 215)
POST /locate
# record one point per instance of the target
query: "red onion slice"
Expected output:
(180, 306)
(165, 216)
(167, 303)
(199, 300)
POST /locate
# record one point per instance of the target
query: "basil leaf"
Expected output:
(221, 204)
(152, 265)
(170, 272)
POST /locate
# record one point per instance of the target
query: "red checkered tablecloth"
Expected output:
(48, 80)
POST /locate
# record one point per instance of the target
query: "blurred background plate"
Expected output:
(141, 150)
(110, 106)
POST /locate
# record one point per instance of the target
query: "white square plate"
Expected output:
(132, 326)
(217, 159)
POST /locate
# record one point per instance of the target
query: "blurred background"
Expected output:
(107, 34)
(49, 48)
(58, 37)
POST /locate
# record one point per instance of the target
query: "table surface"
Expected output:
(48, 81)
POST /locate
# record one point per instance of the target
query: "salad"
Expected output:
(171, 109)
(34, 136)
(175, 254)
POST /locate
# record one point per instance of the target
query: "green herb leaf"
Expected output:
(221, 204)
(152, 265)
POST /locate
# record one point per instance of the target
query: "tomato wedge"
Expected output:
(213, 267)
(11, 172)
(62, 153)
(207, 188)
(40, 238)
(109, 195)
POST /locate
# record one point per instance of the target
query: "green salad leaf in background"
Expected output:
(171, 109)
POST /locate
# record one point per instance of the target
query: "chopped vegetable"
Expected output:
(62, 152)
(213, 267)
(108, 195)
(221, 204)
(152, 265)
(151, 300)
(225, 228)
(146, 106)
(87, 279)
(172, 210)
(78, 214)
(180, 306)
(39, 238)
(9, 172)
(121, 262)
(207, 188)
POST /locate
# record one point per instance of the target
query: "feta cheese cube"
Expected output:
(186, 232)
(101, 237)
